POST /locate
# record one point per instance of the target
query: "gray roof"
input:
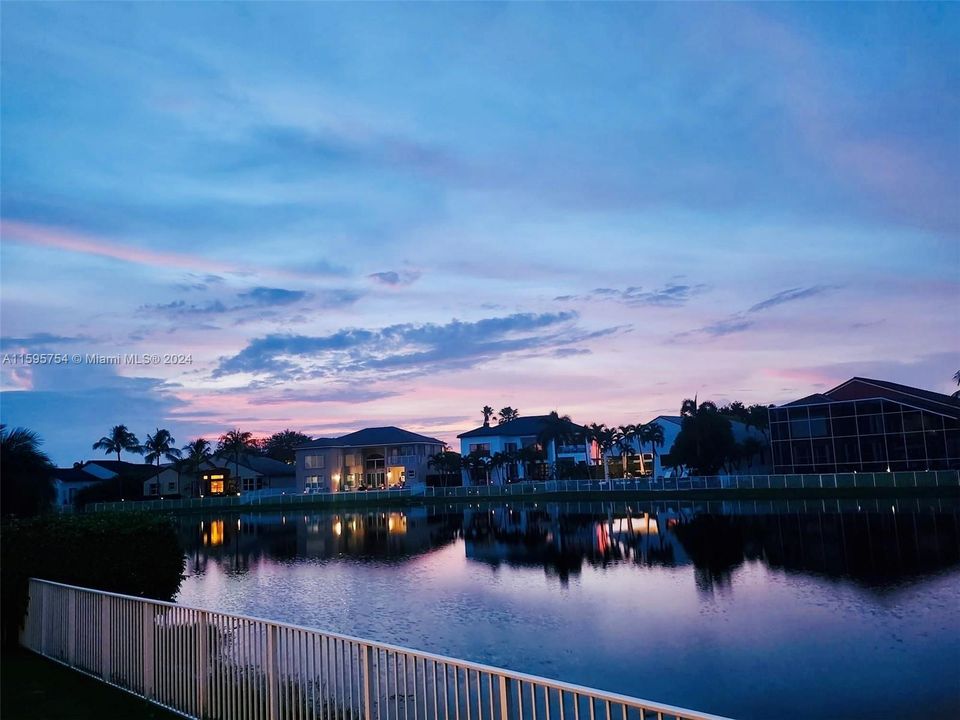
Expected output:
(529, 426)
(389, 435)
(74, 475)
(258, 463)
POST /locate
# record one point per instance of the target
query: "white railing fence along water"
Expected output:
(829, 481)
(206, 664)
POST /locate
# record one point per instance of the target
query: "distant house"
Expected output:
(253, 472)
(372, 458)
(867, 425)
(67, 482)
(513, 436)
(671, 424)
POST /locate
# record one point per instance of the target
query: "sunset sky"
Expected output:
(355, 215)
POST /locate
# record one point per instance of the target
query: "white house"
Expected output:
(67, 482)
(671, 425)
(514, 435)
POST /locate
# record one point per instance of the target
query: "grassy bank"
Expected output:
(33, 688)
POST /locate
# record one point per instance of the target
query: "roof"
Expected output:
(530, 425)
(73, 475)
(122, 467)
(860, 388)
(266, 465)
(389, 435)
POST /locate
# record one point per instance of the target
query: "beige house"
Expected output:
(372, 458)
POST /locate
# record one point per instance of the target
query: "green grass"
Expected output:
(33, 688)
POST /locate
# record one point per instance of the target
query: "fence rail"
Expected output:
(868, 480)
(206, 664)
(922, 479)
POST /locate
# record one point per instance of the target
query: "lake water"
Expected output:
(841, 609)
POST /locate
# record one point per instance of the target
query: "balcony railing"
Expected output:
(206, 664)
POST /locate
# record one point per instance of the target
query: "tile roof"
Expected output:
(389, 435)
(527, 426)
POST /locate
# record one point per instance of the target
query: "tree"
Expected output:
(119, 440)
(159, 446)
(447, 463)
(198, 452)
(26, 480)
(507, 414)
(604, 438)
(651, 432)
(556, 429)
(705, 441)
(280, 446)
(956, 376)
(235, 443)
(529, 457)
(487, 414)
(477, 465)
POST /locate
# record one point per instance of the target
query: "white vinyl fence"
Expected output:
(868, 480)
(206, 664)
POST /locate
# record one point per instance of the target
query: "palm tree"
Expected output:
(604, 438)
(652, 433)
(26, 483)
(235, 443)
(447, 462)
(119, 440)
(198, 452)
(487, 414)
(956, 376)
(528, 457)
(507, 414)
(556, 428)
(159, 446)
(498, 461)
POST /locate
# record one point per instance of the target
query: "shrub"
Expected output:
(129, 553)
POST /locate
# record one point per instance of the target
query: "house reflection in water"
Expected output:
(868, 542)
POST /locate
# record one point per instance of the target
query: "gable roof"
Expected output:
(74, 475)
(860, 388)
(389, 435)
(530, 425)
(122, 467)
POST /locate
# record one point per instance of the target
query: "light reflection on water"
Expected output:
(753, 610)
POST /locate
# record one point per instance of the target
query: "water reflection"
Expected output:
(696, 604)
(875, 543)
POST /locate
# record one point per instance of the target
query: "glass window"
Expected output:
(893, 422)
(819, 427)
(819, 411)
(912, 421)
(872, 449)
(844, 426)
(823, 452)
(936, 445)
(313, 461)
(779, 431)
(842, 409)
(799, 413)
(779, 415)
(870, 424)
(802, 452)
(916, 450)
(216, 487)
(847, 450)
(482, 448)
(896, 447)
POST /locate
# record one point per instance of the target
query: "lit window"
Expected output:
(313, 462)
(216, 487)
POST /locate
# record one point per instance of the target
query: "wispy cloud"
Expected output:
(395, 278)
(791, 295)
(743, 321)
(670, 295)
(407, 349)
(272, 296)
